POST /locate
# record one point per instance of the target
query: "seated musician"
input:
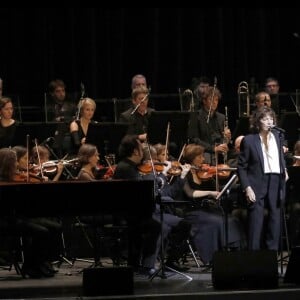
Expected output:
(7, 124)
(138, 115)
(146, 231)
(203, 212)
(292, 197)
(40, 235)
(79, 127)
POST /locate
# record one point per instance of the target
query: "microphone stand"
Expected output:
(135, 109)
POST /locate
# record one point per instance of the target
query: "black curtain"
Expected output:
(104, 48)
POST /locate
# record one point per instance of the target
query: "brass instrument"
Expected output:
(189, 95)
(244, 99)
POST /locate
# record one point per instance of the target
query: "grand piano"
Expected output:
(75, 198)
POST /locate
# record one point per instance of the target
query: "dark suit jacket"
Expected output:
(201, 133)
(251, 164)
(138, 123)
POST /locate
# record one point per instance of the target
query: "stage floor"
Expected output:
(67, 283)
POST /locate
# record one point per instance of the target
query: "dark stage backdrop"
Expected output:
(104, 48)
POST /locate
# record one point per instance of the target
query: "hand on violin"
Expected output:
(167, 167)
(250, 195)
(185, 169)
(221, 148)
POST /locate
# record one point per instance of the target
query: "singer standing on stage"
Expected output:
(262, 173)
(62, 110)
(138, 115)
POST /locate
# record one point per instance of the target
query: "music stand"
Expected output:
(157, 127)
(106, 136)
(219, 196)
(36, 130)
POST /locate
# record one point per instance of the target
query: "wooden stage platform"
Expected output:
(67, 284)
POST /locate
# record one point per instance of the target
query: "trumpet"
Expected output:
(244, 99)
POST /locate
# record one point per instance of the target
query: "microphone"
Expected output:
(276, 128)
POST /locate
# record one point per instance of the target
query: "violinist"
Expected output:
(207, 127)
(203, 212)
(25, 171)
(40, 235)
(88, 157)
(8, 164)
(41, 155)
(147, 231)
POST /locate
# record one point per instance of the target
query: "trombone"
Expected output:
(243, 93)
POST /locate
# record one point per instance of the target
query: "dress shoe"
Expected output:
(174, 265)
(31, 271)
(45, 271)
(50, 267)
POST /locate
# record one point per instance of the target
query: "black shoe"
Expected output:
(176, 266)
(50, 267)
(31, 271)
(45, 271)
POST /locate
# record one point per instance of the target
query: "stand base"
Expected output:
(161, 272)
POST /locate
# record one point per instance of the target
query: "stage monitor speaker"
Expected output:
(107, 281)
(245, 269)
(293, 267)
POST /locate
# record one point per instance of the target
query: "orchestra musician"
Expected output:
(204, 213)
(146, 245)
(79, 127)
(207, 127)
(60, 109)
(88, 158)
(40, 235)
(8, 124)
(138, 115)
(292, 196)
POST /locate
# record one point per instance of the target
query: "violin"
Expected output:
(32, 177)
(146, 167)
(207, 172)
(175, 169)
(104, 172)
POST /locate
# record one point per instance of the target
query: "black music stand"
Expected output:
(221, 195)
(161, 271)
(106, 136)
(158, 123)
(36, 130)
